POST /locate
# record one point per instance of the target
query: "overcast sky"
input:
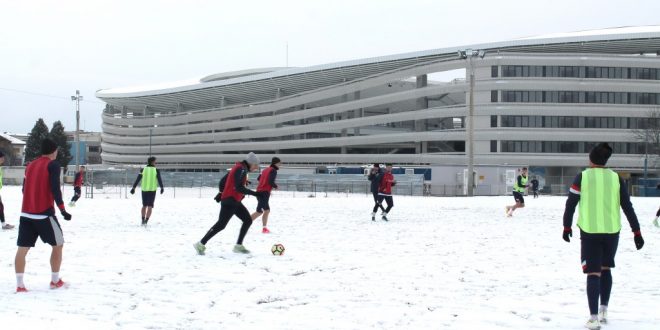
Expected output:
(55, 47)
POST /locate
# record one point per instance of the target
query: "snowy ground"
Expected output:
(453, 263)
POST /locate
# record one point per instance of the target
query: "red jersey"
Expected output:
(230, 187)
(385, 187)
(264, 180)
(79, 179)
(38, 191)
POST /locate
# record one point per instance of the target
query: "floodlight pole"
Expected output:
(77, 98)
(468, 55)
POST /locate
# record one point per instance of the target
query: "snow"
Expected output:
(440, 263)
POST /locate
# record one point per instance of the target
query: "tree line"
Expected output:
(39, 133)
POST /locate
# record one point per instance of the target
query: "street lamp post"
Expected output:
(77, 98)
(468, 55)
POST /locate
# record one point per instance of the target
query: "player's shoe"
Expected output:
(265, 231)
(239, 248)
(59, 284)
(592, 324)
(602, 316)
(373, 216)
(385, 217)
(21, 290)
(200, 248)
(506, 210)
(72, 204)
(6, 226)
(655, 222)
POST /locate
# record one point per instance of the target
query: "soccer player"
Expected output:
(600, 193)
(230, 204)
(385, 190)
(518, 190)
(535, 187)
(266, 185)
(5, 226)
(375, 175)
(77, 184)
(41, 188)
(150, 177)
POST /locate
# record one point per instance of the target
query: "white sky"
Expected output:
(55, 47)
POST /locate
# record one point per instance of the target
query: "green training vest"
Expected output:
(149, 179)
(600, 204)
(0, 177)
(516, 188)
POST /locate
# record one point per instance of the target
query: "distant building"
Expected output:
(90, 147)
(13, 148)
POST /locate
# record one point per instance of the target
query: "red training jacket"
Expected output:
(230, 186)
(386, 183)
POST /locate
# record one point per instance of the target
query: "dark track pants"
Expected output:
(377, 203)
(76, 194)
(229, 208)
(388, 199)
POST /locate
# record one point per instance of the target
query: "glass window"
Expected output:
(493, 121)
(493, 145)
(493, 96)
(494, 71)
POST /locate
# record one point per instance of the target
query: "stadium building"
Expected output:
(538, 101)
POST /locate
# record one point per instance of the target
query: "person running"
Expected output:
(385, 190)
(266, 185)
(375, 174)
(77, 186)
(535, 187)
(600, 194)
(150, 177)
(518, 190)
(5, 226)
(41, 188)
(231, 204)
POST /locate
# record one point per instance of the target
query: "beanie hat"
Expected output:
(48, 146)
(252, 159)
(600, 154)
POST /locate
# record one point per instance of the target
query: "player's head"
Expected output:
(388, 167)
(253, 161)
(600, 154)
(376, 165)
(151, 161)
(2, 158)
(524, 170)
(276, 161)
(49, 148)
(82, 168)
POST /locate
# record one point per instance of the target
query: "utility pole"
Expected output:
(468, 55)
(151, 130)
(77, 98)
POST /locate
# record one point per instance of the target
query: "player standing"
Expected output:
(375, 175)
(78, 181)
(150, 177)
(385, 190)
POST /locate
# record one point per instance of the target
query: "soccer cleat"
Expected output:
(21, 290)
(200, 248)
(6, 226)
(239, 248)
(265, 231)
(57, 285)
(373, 216)
(72, 204)
(655, 222)
(592, 324)
(602, 316)
(385, 217)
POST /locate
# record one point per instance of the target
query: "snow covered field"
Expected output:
(440, 263)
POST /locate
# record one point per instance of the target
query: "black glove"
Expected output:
(132, 191)
(657, 214)
(65, 214)
(639, 241)
(217, 197)
(162, 190)
(568, 233)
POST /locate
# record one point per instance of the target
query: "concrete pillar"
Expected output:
(422, 103)
(357, 113)
(222, 101)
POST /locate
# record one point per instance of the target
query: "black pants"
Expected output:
(389, 200)
(536, 193)
(76, 194)
(377, 203)
(228, 208)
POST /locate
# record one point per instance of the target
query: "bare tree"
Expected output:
(648, 132)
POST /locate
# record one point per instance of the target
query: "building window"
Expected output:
(493, 121)
(493, 145)
(493, 96)
(494, 71)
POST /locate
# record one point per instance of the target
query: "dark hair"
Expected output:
(151, 160)
(48, 146)
(376, 165)
(600, 154)
(524, 169)
(275, 160)
(388, 164)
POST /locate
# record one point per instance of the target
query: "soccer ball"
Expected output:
(277, 249)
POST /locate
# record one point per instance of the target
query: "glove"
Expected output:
(217, 197)
(65, 214)
(568, 233)
(639, 241)
(162, 190)
(132, 191)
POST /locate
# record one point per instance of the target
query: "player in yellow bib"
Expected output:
(150, 177)
(601, 194)
(518, 192)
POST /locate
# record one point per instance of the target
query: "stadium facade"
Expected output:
(538, 101)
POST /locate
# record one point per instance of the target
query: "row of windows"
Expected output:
(554, 71)
(573, 122)
(577, 97)
(564, 147)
